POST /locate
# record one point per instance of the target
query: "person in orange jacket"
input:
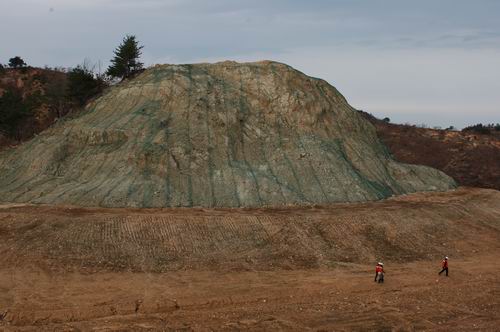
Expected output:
(444, 265)
(379, 272)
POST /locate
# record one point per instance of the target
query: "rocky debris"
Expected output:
(212, 135)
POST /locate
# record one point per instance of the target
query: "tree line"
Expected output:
(485, 129)
(74, 90)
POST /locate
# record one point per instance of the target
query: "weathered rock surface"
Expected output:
(224, 134)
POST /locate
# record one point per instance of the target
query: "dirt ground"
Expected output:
(302, 269)
(413, 297)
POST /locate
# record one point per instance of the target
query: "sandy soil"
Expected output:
(51, 287)
(343, 298)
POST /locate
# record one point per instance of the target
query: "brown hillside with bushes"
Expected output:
(471, 158)
(39, 98)
(32, 99)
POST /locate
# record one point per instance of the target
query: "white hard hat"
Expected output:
(446, 257)
(381, 264)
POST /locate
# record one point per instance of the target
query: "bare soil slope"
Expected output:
(74, 269)
(472, 159)
(224, 135)
(404, 229)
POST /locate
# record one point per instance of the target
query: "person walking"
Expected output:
(444, 265)
(379, 272)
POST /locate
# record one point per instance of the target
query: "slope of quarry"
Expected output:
(407, 228)
(212, 135)
(66, 268)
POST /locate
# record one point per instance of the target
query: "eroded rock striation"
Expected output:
(212, 135)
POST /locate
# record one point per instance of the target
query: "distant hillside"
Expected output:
(31, 99)
(471, 158)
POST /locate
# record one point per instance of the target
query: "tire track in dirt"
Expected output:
(242, 238)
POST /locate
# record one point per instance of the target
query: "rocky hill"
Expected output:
(472, 159)
(224, 134)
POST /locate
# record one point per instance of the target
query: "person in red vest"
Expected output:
(379, 272)
(444, 265)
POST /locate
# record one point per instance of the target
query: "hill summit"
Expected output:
(212, 135)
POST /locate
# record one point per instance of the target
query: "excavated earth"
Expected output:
(212, 135)
(66, 268)
(79, 251)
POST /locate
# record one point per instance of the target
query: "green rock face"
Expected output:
(212, 135)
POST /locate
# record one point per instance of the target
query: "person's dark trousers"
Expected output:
(381, 278)
(444, 269)
(375, 277)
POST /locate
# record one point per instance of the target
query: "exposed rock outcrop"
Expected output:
(224, 134)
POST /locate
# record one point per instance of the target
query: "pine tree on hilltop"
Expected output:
(126, 60)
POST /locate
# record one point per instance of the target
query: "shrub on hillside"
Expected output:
(84, 84)
(14, 110)
(17, 62)
(56, 88)
(483, 129)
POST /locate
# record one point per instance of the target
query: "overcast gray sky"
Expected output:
(427, 61)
